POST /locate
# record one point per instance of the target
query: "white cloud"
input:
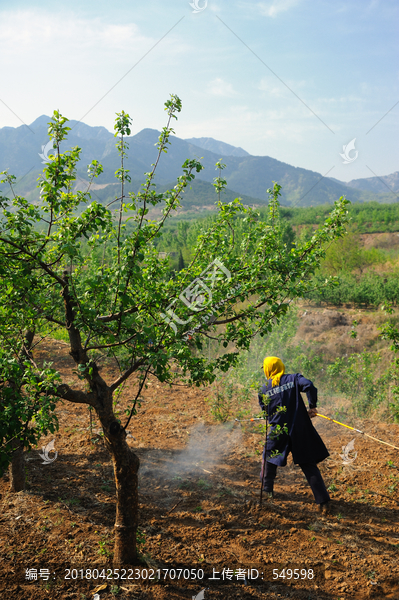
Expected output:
(341, 100)
(219, 87)
(276, 89)
(273, 7)
(34, 34)
(216, 8)
(257, 127)
(23, 30)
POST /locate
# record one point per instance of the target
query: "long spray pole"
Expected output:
(264, 460)
(253, 419)
(358, 431)
(263, 464)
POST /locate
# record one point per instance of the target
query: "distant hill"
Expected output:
(217, 147)
(378, 185)
(246, 175)
(20, 146)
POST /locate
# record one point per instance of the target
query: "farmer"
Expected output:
(291, 429)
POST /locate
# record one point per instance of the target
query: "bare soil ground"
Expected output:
(199, 509)
(328, 330)
(380, 240)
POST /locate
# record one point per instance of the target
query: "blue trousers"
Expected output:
(312, 474)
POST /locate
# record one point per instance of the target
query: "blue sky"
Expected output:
(291, 79)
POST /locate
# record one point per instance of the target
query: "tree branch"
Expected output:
(126, 374)
(39, 262)
(111, 345)
(136, 398)
(116, 316)
(77, 396)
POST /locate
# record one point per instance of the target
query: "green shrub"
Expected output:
(367, 290)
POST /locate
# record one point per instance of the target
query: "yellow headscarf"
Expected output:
(274, 369)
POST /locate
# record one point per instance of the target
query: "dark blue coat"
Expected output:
(301, 438)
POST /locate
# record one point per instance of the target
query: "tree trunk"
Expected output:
(125, 462)
(17, 471)
(126, 466)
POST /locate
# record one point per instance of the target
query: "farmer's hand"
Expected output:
(312, 412)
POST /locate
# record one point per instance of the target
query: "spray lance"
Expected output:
(252, 419)
(358, 431)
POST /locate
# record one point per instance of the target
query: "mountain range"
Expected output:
(247, 176)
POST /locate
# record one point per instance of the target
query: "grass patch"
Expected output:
(203, 484)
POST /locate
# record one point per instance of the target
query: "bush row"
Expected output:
(370, 289)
